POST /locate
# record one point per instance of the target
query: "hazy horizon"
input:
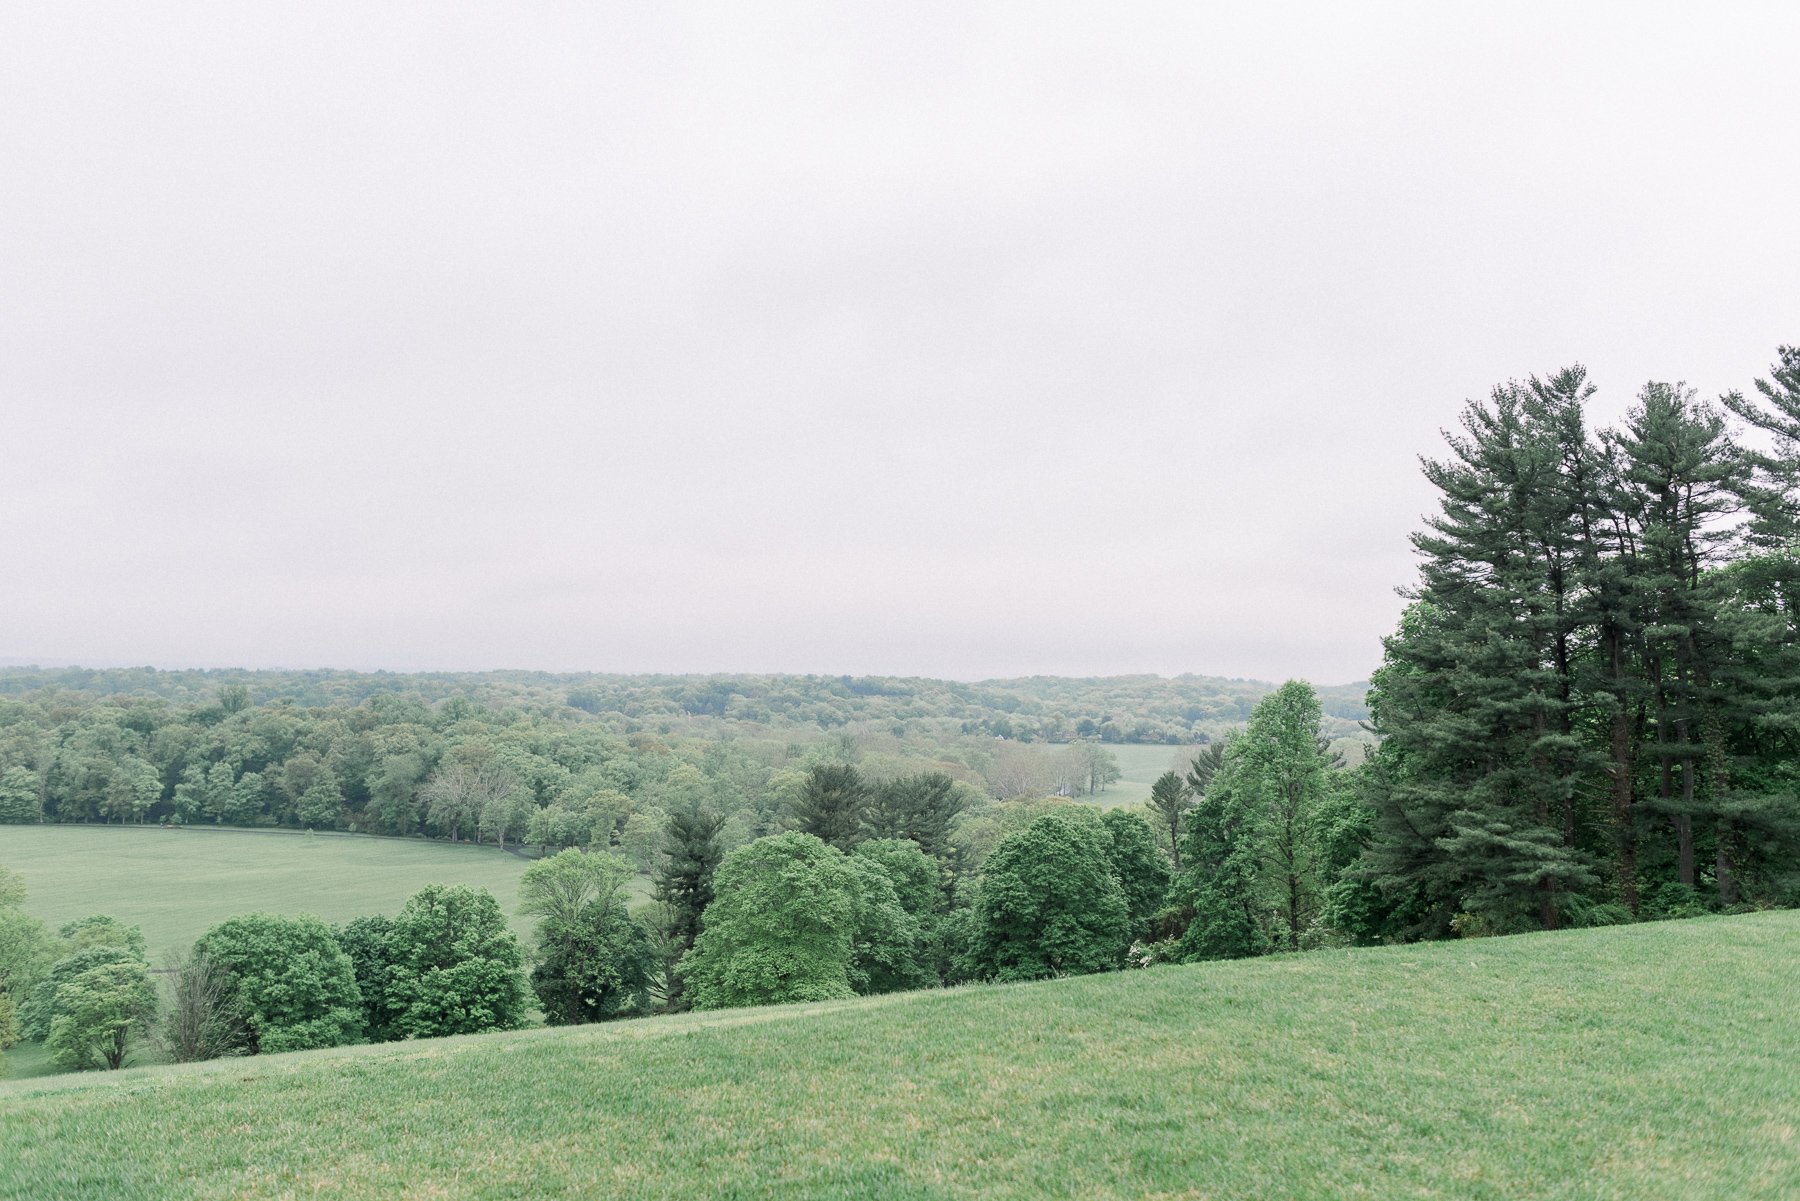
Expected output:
(71, 665)
(902, 340)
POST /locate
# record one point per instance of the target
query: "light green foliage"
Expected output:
(641, 839)
(780, 928)
(559, 826)
(12, 888)
(1140, 867)
(101, 930)
(564, 887)
(80, 945)
(322, 804)
(26, 949)
(888, 948)
(99, 1012)
(20, 796)
(456, 966)
(1050, 905)
(1281, 774)
(1502, 1068)
(296, 987)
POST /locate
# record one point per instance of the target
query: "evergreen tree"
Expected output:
(919, 807)
(1680, 474)
(684, 880)
(1170, 799)
(831, 804)
(1476, 697)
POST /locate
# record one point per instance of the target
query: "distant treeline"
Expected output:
(1124, 709)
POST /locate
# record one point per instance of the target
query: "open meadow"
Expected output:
(1139, 766)
(176, 883)
(1654, 1061)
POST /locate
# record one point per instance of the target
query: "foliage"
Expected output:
(454, 965)
(1139, 866)
(26, 953)
(919, 807)
(1596, 692)
(80, 946)
(684, 883)
(368, 942)
(888, 947)
(594, 962)
(831, 804)
(97, 1013)
(1050, 905)
(1263, 1078)
(20, 799)
(1216, 894)
(1170, 799)
(294, 984)
(781, 928)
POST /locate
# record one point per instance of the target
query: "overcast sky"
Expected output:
(957, 340)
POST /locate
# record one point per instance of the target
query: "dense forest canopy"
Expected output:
(559, 759)
(1137, 709)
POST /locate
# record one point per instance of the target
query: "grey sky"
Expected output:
(927, 339)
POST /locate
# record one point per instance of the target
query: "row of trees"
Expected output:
(1591, 710)
(446, 964)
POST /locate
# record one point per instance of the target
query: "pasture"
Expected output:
(1644, 1062)
(1139, 766)
(178, 882)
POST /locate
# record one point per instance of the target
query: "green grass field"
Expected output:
(1139, 766)
(176, 883)
(1657, 1061)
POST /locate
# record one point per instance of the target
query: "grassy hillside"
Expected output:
(176, 883)
(1643, 1062)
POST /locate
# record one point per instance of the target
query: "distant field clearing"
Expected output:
(177, 883)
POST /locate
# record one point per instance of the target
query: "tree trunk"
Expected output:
(1293, 911)
(1684, 824)
(1624, 834)
(1725, 867)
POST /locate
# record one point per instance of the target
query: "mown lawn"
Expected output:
(1658, 1061)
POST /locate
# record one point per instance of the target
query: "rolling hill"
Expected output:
(1653, 1061)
